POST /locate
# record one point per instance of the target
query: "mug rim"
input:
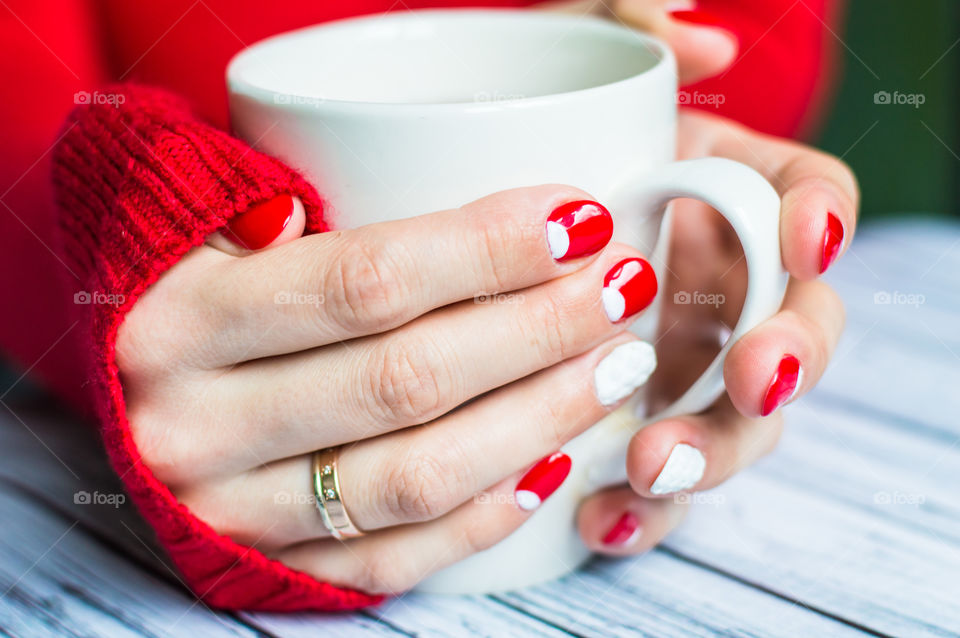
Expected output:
(239, 85)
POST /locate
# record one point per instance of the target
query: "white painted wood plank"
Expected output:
(884, 472)
(421, 615)
(436, 616)
(896, 579)
(57, 581)
(660, 595)
(60, 459)
(314, 625)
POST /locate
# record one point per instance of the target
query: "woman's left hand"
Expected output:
(774, 363)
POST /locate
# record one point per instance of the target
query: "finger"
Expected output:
(618, 522)
(263, 225)
(425, 369)
(340, 285)
(697, 452)
(785, 356)
(422, 473)
(819, 192)
(775, 362)
(700, 41)
(393, 560)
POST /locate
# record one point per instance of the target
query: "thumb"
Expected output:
(703, 46)
(263, 225)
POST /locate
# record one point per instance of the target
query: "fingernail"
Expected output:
(832, 241)
(624, 532)
(628, 288)
(542, 480)
(697, 17)
(259, 225)
(683, 469)
(783, 385)
(576, 229)
(623, 370)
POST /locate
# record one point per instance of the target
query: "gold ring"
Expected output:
(326, 489)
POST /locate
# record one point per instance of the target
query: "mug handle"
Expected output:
(752, 207)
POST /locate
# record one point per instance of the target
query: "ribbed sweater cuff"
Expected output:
(139, 182)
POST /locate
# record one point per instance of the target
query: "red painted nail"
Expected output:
(832, 241)
(261, 224)
(542, 480)
(628, 288)
(696, 16)
(624, 532)
(578, 228)
(783, 385)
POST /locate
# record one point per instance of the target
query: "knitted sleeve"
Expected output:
(138, 182)
(786, 67)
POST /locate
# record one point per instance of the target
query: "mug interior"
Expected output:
(446, 57)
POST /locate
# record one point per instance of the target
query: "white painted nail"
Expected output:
(558, 240)
(683, 469)
(624, 370)
(613, 304)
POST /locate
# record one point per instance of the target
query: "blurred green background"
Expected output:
(906, 157)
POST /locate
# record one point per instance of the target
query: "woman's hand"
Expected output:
(777, 361)
(445, 353)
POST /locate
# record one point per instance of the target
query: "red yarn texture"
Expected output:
(138, 186)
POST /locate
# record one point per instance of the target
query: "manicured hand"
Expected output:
(449, 354)
(773, 364)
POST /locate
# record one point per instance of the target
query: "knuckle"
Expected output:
(408, 381)
(368, 284)
(549, 328)
(494, 238)
(507, 227)
(560, 419)
(421, 487)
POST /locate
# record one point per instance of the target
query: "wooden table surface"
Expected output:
(851, 528)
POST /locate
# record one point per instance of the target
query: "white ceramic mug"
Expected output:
(402, 114)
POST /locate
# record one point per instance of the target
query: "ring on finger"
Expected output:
(326, 489)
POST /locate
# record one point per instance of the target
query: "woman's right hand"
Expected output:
(447, 354)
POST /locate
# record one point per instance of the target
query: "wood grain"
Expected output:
(851, 528)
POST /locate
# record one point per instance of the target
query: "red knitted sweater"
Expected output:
(139, 183)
